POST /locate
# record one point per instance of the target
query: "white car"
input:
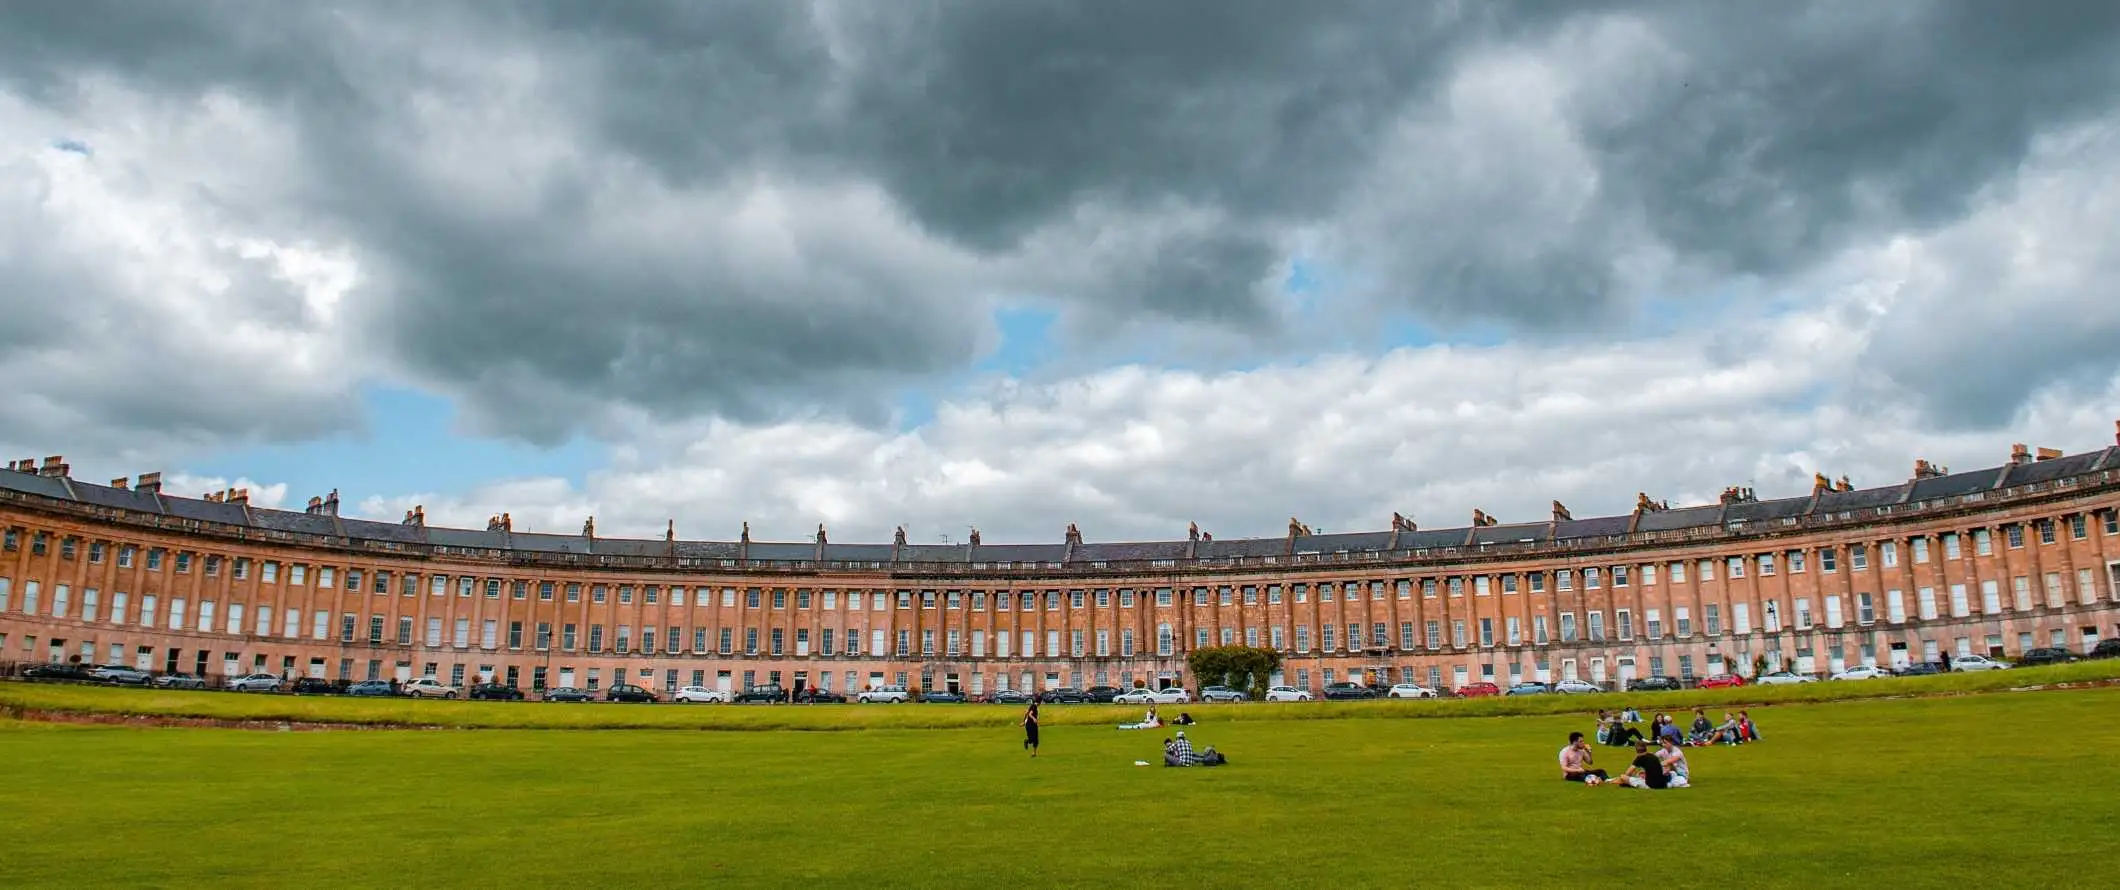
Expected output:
(255, 683)
(1863, 672)
(1977, 663)
(1286, 693)
(1139, 696)
(891, 695)
(700, 694)
(1575, 687)
(1410, 690)
(1782, 678)
(428, 687)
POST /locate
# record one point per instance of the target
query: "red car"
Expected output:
(1722, 680)
(1476, 690)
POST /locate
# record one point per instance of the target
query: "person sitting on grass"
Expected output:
(1746, 729)
(1178, 751)
(1605, 725)
(1703, 731)
(1149, 722)
(1184, 719)
(1674, 760)
(1620, 734)
(1667, 728)
(1647, 771)
(1630, 715)
(1576, 764)
(1730, 733)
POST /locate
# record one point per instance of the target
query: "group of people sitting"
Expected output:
(1659, 758)
(1152, 721)
(1179, 752)
(1665, 767)
(1616, 729)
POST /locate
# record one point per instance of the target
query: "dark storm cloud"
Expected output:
(1746, 140)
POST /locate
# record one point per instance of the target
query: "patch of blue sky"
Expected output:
(409, 445)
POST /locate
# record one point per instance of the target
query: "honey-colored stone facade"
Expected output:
(1994, 572)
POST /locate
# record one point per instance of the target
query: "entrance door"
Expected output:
(403, 672)
(802, 680)
(1597, 670)
(722, 682)
(1030, 681)
(950, 682)
(1459, 676)
(1568, 669)
(1899, 655)
(1626, 671)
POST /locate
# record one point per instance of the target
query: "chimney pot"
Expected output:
(120, 483)
(2047, 454)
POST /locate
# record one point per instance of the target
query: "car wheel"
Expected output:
(448, 695)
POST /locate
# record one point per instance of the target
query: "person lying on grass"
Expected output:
(1149, 722)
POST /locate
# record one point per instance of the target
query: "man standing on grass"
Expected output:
(1030, 729)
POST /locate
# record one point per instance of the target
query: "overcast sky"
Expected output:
(1016, 265)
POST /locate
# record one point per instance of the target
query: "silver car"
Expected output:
(255, 683)
(113, 673)
(1223, 694)
(179, 681)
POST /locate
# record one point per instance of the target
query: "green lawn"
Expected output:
(15, 697)
(1956, 791)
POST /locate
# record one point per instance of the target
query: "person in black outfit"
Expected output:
(1030, 729)
(1647, 768)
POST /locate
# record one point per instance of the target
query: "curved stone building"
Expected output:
(1996, 561)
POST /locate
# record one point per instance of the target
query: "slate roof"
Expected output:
(1352, 542)
(1237, 548)
(1861, 498)
(1433, 538)
(1767, 511)
(1022, 552)
(1707, 515)
(1506, 534)
(122, 498)
(383, 531)
(1955, 485)
(464, 537)
(2050, 470)
(300, 523)
(1682, 517)
(857, 552)
(31, 483)
(774, 551)
(1594, 527)
(1124, 551)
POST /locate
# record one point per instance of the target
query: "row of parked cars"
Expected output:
(769, 693)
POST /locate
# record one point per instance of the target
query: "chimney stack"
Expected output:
(2019, 454)
(316, 505)
(1820, 484)
(330, 506)
(1925, 470)
(2046, 454)
(120, 483)
(1560, 512)
(55, 467)
(149, 483)
(237, 496)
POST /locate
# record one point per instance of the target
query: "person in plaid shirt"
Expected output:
(1178, 751)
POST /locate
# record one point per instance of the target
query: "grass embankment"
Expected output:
(27, 698)
(1993, 790)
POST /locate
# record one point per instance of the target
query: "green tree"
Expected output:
(1248, 668)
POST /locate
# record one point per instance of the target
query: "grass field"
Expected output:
(544, 715)
(2001, 789)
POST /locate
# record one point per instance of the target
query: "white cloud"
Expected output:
(1135, 453)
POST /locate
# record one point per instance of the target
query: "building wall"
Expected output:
(111, 591)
